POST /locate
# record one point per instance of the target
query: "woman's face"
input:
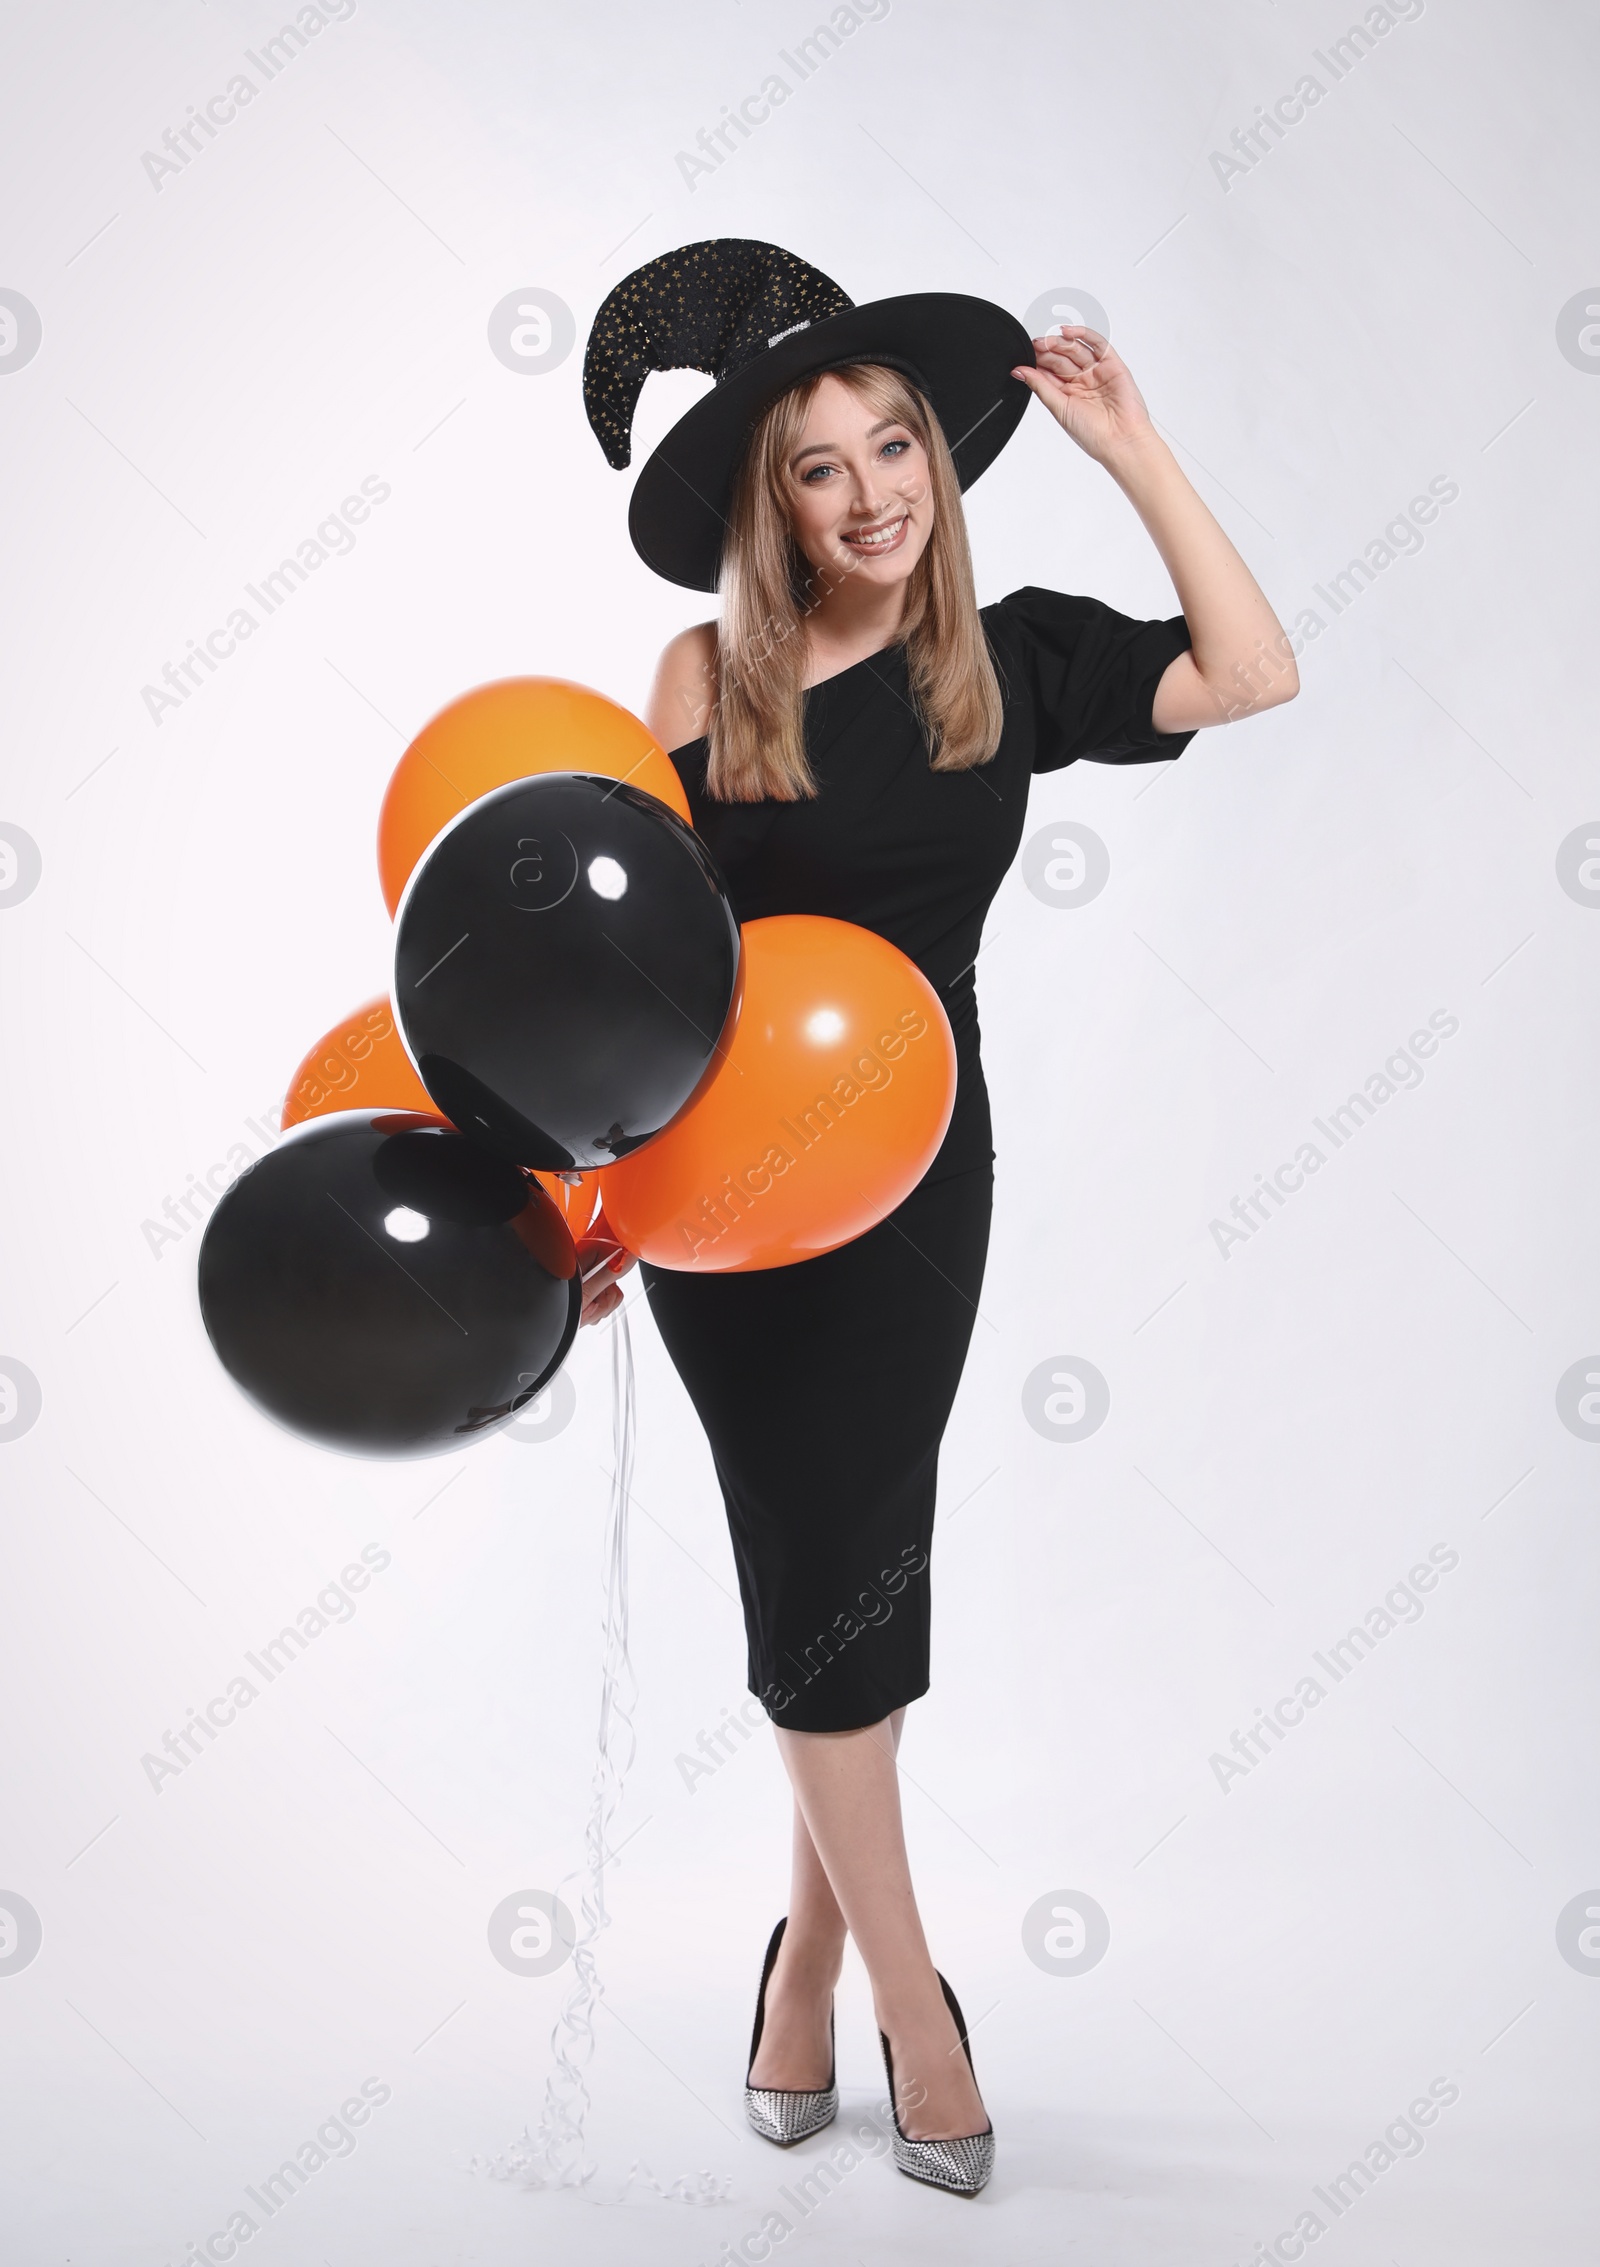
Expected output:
(860, 498)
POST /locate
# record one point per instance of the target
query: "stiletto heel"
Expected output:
(961, 2165)
(787, 2114)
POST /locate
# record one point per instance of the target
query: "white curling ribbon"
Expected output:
(554, 2157)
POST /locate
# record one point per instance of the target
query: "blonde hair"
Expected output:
(756, 730)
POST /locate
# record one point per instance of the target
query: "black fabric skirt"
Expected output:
(824, 1389)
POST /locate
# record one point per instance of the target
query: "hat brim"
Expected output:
(958, 351)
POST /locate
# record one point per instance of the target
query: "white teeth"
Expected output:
(879, 536)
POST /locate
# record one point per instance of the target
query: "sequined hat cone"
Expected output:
(758, 320)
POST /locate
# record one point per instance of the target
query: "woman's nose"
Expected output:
(866, 490)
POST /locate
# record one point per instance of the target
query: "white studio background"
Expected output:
(1401, 291)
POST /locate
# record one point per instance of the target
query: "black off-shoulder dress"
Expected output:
(824, 1388)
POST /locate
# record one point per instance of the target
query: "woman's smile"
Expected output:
(888, 535)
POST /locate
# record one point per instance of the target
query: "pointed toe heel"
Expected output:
(787, 2114)
(962, 2165)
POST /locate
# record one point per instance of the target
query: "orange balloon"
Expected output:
(827, 1107)
(579, 1200)
(362, 1064)
(510, 730)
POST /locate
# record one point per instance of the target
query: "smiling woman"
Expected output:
(800, 486)
(857, 738)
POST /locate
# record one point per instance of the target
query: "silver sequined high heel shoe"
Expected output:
(962, 2164)
(787, 2114)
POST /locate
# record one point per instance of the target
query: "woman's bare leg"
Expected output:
(851, 1871)
(794, 2049)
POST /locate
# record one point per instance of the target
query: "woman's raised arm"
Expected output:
(1239, 660)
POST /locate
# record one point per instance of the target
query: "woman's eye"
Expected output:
(815, 472)
(894, 447)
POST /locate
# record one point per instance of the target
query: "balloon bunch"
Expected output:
(579, 1042)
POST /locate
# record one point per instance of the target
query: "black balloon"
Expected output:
(384, 1286)
(565, 960)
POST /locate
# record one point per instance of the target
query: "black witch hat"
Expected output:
(758, 320)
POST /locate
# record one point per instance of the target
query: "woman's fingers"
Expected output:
(1066, 356)
(1078, 334)
(1047, 384)
(599, 1301)
(596, 1254)
(600, 1262)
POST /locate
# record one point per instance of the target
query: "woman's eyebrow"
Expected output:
(831, 448)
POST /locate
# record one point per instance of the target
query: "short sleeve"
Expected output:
(1089, 675)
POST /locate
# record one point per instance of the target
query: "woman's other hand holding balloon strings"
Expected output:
(601, 1259)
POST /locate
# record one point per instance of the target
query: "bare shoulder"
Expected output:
(685, 686)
